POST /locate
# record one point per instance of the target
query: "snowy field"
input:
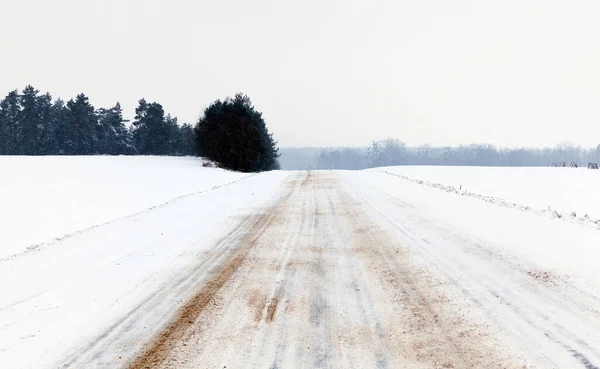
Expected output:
(469, 260)
(561, 192)
(564, 246)
(44, 198)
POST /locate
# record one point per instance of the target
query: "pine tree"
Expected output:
(187, 137)
(46, 143)
(64, 141)
(28, 123)
(172, 135)
(32, 124)
(113, 136)
(153, 133)
(84, 121)
(3, 129)
(233, 134)
(10, 109)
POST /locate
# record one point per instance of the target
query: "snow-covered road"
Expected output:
(310, 269)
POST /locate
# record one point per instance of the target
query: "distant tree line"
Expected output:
(34, 124)
(390, 152)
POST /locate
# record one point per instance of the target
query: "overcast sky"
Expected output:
(327, 72)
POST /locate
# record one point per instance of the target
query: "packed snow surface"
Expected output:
(44, 198)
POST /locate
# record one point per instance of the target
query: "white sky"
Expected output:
(511, 72)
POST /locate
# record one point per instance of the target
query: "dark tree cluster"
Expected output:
(233, 134)
(33, 124)
(154, 133)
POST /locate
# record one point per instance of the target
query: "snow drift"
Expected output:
(562, 192)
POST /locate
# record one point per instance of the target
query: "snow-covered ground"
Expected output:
(563, 191)
(534, 279)
(58, 298)
(564, 247)
(323, 268)
(44, 198)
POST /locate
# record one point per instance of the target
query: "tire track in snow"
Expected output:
(313, 282)
(159, 349)
(364, 300)
(116, 344)
(430, 328)
(350, 299)
(498, 287)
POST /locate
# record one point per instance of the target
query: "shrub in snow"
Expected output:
(235, 136)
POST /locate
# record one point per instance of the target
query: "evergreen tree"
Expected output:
(233, 134)
(187, 137)
(113, 136)
(84, 120)
(64, 134)
(172, 136)
(3, 130)
(10, 109)
(46, 132)
(28, 123)
(153, 134)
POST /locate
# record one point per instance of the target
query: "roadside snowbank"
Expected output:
(564, 192)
